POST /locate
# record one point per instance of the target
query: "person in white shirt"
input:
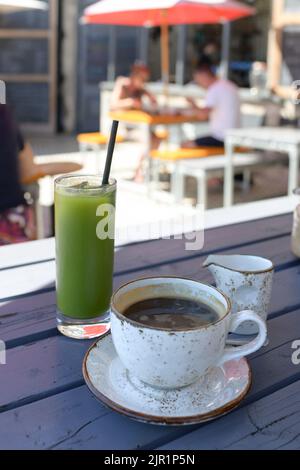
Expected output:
(222, 107)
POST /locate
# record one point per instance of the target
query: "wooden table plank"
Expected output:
(286, 293)
(73, 416)
(157, 250)
(26, 279)
(59, 418)
(272, 370)
(58, 388)
(271, 423)
(63, 423)
(27, 317)
(41, 276)
(173, 251)
(153, 119)
(40, 369)
(26, 253)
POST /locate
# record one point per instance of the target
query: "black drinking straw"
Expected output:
(110, 152)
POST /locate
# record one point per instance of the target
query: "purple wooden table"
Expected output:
(44, 403)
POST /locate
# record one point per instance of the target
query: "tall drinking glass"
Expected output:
(85, 227)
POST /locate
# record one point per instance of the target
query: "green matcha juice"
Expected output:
(84, 226)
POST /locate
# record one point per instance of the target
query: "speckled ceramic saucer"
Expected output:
(216, 394)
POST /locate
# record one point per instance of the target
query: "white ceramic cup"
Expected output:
(174, 359)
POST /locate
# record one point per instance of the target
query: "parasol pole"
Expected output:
(165, 55)
(226, 35)
(2, 92)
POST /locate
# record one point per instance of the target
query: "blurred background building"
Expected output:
(53, 64)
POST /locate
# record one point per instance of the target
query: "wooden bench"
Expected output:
(94, 140)
(171, 155)
(200, 157)
(214, 166)
(198, 162)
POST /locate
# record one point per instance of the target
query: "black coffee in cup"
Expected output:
(172, 313)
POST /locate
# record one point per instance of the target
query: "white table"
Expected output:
(276, 139)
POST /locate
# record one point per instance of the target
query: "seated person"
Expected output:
(129, 91)
(128, 94)
(17, 167)
(222, 107)
(16, 217)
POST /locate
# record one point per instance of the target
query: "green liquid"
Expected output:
(84, 262)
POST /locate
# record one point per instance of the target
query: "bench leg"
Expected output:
(83, 152)
(99, 166)
(91, 157)
(202, 189)
(293, 169)
(177, 185)
(228, 176)
(247, 179)
(154, 175)
(149, 161)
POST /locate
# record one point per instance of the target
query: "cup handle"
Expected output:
(231, 352)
